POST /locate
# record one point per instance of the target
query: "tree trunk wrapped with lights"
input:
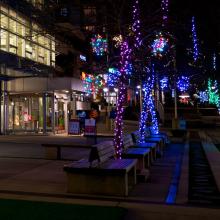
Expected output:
(124, 70)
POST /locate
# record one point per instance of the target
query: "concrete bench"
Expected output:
(101, 174)
(148, 139)
(129, 144)
(53, 150)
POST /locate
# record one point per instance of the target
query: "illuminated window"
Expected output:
(53, 59)
(20, 29)
(90, 28)
(12, 25)
(3, 40)
(47, 57)
(41, 54)
(64, 12)
(35, 36)
(13, 43)
(21, 47)
(53, 45)
(28, 50)
(25, 38)
(41, 40)
(12, 13)
(4, 21)
(89, 11)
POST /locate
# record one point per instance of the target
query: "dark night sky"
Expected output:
(207, 14)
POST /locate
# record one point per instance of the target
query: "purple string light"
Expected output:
(164, 7)
(125, 59)
(136, 24)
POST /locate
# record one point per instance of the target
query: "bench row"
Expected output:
(103, 174)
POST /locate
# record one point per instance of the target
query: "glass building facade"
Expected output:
(24, 38)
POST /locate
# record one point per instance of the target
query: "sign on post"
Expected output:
(73, 126)
(90, 127)
(182, 124)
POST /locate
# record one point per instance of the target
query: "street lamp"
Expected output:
(140, 97)
(116, 95)
(106, 91)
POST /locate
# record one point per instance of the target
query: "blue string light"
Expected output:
(164, 83)
(151, 106)
(195, 41)
(203, 96)
(113, 77)
(214, 61)
(148, 108)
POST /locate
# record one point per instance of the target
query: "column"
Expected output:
(44, 113)
(66, 116)
(5, 107)
(0, 107)
(53, 113)
(73, 106)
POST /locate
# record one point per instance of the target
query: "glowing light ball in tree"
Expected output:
(87, 83)
(118, 39)
(183, 83)
(164, 83)
(159, 45)
(203, 96)
(99, 84)
(113, 77)
(99, 45)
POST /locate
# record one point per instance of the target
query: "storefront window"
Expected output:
(26, 113)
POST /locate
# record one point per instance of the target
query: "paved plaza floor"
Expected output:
(26, 174)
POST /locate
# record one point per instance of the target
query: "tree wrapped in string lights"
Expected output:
(151, 106)
(195, 41)
(136, 24)
(164, 7)
(125, 55)
(148, 111)
(214, 62)
(146, 90)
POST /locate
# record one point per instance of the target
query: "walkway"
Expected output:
(24, 174)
